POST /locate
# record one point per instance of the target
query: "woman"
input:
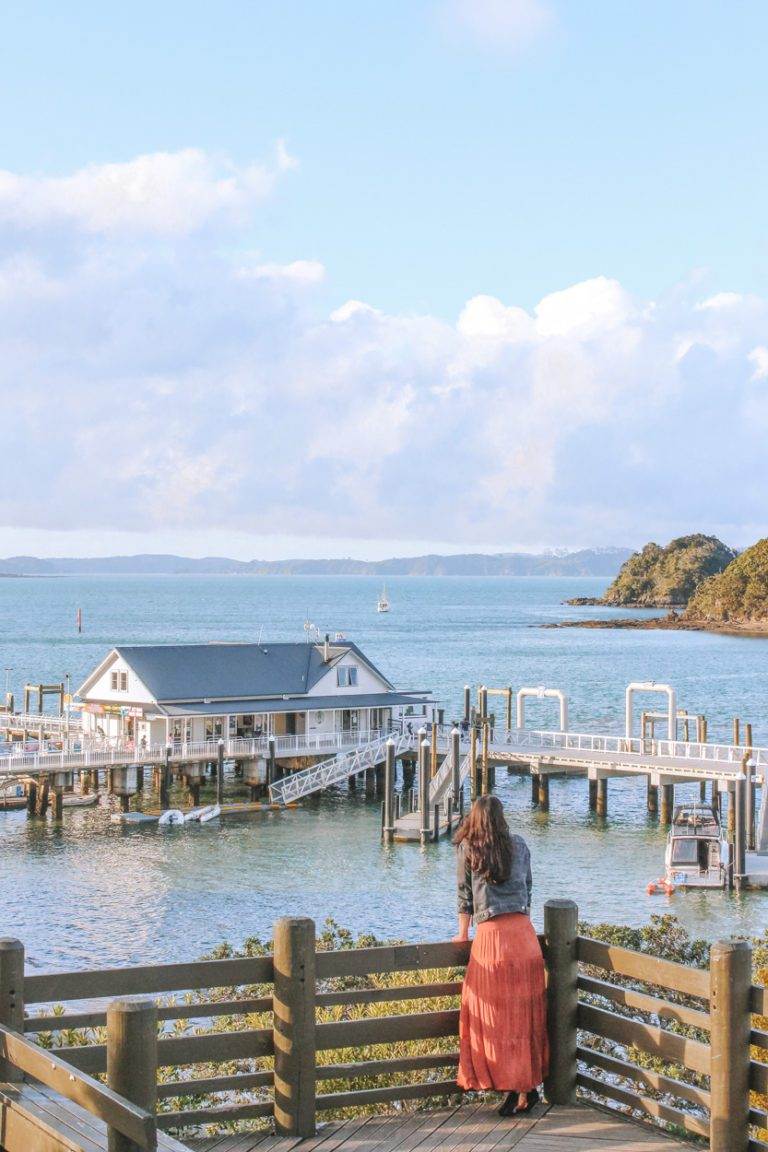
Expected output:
(502, 1029)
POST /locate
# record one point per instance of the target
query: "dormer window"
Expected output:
(346, 676)
(118, 681)
(113, 682)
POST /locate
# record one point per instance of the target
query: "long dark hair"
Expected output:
(489, 843)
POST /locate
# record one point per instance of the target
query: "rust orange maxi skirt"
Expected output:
(502, 1027)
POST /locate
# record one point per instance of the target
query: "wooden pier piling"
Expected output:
(667, 803)
(652, 797)
(456, 768)
(592, 786)
(388, 830)
(424, 812)
(602, 796)
(544, 791)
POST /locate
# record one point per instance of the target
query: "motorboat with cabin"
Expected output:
(697, 851)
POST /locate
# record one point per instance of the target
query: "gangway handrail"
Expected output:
(335, 769)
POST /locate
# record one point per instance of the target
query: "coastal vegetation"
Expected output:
(736, 596)
(665, 576)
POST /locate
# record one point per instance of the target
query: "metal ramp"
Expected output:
(336, 769)
(408, 826)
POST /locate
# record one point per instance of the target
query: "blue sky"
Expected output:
(432, 154)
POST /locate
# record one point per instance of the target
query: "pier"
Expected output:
(282, 1040)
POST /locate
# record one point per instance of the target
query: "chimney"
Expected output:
(326, 650)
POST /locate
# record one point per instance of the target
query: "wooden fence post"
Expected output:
(561, 933)
(294, 1027)
(132, 1059)
(731, 978)
(11, 996)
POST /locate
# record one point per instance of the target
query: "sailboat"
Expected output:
(382, 604)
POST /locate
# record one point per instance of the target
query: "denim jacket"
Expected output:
(482, 900)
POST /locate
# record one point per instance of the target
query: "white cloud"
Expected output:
(165, 192)
(499, 25)
(180, 383)
(759, 357)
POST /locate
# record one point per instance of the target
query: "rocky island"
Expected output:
(706, 585)
(664, 577)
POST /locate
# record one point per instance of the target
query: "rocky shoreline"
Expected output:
(670, 623)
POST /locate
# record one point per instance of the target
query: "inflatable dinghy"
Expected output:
(172, 816)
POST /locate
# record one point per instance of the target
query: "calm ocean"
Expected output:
(92, 892)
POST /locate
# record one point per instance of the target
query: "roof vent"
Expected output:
(326, 649)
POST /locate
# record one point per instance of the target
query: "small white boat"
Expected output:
(203, 814)
(80, 799)
(382, 604)
(172, 816)
(697, 851)
(133, 818)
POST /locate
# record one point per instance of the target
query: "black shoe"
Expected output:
(509, 1105)
(531, 1101)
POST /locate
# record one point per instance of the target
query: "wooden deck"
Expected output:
(470, 1128)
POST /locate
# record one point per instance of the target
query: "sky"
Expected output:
(358, 279)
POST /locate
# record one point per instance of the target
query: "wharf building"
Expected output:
(182, 693)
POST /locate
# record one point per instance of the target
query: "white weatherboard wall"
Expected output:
(367, 681)
(103, 692)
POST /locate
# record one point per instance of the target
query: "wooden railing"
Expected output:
(658, 1039)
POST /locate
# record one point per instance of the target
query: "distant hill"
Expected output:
(737, 596)
(666, 577)
(586, 562)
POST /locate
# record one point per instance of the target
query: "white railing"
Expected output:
(722, 757)
(336, 769)
(35, 722)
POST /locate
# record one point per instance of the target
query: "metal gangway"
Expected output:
(338, 768)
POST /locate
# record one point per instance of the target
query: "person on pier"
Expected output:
(502, 1026)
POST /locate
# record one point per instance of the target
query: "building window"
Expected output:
(113, 681)
(123, 681)
(346, 677)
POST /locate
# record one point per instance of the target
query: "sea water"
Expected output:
(88, 892)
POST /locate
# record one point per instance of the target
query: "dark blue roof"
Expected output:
(179, 672)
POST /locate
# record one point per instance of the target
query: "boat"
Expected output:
(80, 799)
(171, 816)
(13, 795)
(203, 814)
(697, 851)
(382, 604)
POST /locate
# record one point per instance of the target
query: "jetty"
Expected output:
(282, 1042)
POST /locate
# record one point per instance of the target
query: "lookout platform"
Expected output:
(469, 1128)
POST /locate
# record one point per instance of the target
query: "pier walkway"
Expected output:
(469, 1128)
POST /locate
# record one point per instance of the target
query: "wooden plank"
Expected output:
(758, 1118)
(59, 1108)
(387, 1029)
(211, 1046)
(640, 966)
(224, 1115)
(644, 1076)
(654, 1108)
(237, 1083)
(645, 1003)
(758, 1077)
(58, 1022)
(47, 1067)
(26, 1127)
(759, 1038)
(758, 1000)
(757, 1146)
(392, 958)
(59, 986)
(648, 1038)
(386, 1067)
(382, 995)
(385, 1095)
